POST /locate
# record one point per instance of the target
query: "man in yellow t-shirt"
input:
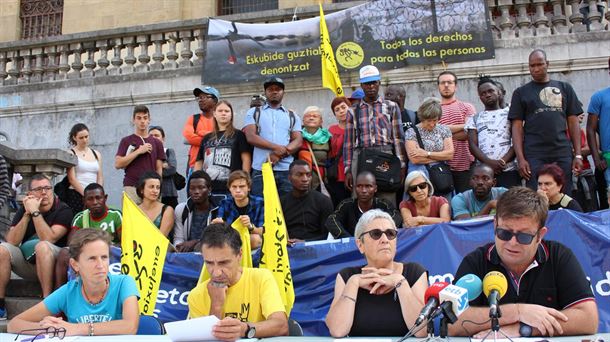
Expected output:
(246, 300)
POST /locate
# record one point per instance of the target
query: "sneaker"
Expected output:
(2, 314)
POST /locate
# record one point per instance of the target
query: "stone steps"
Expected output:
(21, 295)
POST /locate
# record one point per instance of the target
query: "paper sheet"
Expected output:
(197, 329)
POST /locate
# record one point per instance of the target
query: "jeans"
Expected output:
(281, 182)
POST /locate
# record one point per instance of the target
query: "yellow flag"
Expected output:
(246, 249)
(143, 254)
(330, 73)
(274, 254)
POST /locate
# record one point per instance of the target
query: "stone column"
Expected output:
(26, 71)
(103, 61)
(13, 72)
(524, 23)
(576, 18)
(90, 62)
(130, 59)
(64, 67)
(594, 17)
(37, 70)
(50, 71)
(186, 54)
(158, 57)
(172, 55)
(559, 20)
(540, 19)
(3, 73)
(199, 52)
(77, 65)
(117, 61)
(143, 58)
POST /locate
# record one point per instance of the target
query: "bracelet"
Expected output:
(91, 330)
(578, 156)
(251, 228)
(348, 297)
(399, 283)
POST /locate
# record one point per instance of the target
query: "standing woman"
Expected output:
(223, 151)
(88, 169)
(149, 190)
(316, 138)
(169, 194)
(335, 174)
(95, 303)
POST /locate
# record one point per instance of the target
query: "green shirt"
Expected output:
(111, 222)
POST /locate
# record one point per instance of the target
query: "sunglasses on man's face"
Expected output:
(507, 235)
(421, 186)
(377, 233)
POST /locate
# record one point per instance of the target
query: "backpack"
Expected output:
(257, 117)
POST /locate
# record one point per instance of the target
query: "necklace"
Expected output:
(82, 153)
(103, 294)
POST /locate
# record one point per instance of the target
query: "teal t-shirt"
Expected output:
(69, 300)
(467, 203)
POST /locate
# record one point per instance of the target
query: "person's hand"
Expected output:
(385, 280)
(600, 164)
(186, 246)
(57, 323)
(577, 166)
(229, 329)
(144, 148)
(274, 158)
(546, 320)
(493, 203)
(217, 292)
(349, 180)
(511, 330)
(418, 152)
(218, 220)
(280, 151)
(31, 204)
(542, 193)
(411, 222)
(496, 164)
(292, 242)
(524, 169)
(245, 220)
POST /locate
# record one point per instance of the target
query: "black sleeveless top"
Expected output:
(380, 315)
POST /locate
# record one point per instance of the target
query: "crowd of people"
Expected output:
(380, 168)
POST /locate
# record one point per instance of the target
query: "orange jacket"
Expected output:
(204, 126)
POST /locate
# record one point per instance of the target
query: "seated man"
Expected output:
(305, 210)
(36, 235)
(96, 215)
(348, 212)
(481, 199)
(241, 204)
(191, 217)
(548, 292)
(246, 300)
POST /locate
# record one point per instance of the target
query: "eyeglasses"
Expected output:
(50, 332)
(446, 82)
(207, 96)
(507, 235)
(421, 186)
(376, 234)
(42, 189)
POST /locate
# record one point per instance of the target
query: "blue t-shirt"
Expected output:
(467, 203)
(274, 126)
(600, 106)
(69, 300)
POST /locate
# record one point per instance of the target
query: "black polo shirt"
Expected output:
(59, 214)
(555, 278)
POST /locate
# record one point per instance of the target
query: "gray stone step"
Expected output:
(18, 287)
(3, 325)
(17, 305)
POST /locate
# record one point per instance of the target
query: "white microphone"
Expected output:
(456, 298)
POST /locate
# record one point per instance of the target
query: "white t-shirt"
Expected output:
(493, 130)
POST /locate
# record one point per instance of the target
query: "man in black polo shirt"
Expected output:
(348, 212)
(548, 293)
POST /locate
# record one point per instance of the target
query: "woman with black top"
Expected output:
(384, 297)
(550, 183)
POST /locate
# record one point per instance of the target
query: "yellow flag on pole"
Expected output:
(330, 73)
(274, 254)
(246, 249)
(143, 254)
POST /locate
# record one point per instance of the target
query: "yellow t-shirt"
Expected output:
(252, 299)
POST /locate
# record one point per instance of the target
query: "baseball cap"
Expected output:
(358, 94)
(207, 90)
(273, 80)
(369, 73)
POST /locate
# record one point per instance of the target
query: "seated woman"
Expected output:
(420, 207)
(384, 297)
(149, 190)
(550, 183)
(95, 303)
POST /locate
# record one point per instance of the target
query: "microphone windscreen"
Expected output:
(495, 280)
(434, 289)
(473, 284)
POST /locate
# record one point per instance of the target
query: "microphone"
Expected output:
(454, 299)
(494, 287)
(432, 301)
(473, 284)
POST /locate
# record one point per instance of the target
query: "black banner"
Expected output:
(386, 33)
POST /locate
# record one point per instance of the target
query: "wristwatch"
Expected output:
(36, 213)
(250, 228)
(428, 154)
(525, 330)
(578, 156)
(251, 331)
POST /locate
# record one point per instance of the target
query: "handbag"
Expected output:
(439, 173)
(179, 181)
(332, 167)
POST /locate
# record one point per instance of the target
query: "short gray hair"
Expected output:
(430, 109)
(368, 217)
(312, 109)
(411, 176)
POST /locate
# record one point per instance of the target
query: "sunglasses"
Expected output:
(377, 233)
(507, 235)
(421, 186)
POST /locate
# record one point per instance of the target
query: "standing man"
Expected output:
(598, 122)
(540, 112)
(275, 133)
(198, 125)
(34, 238)
(455, 114)
(548, 293)
(246, 300)
(138, 153)
(373, 124)
(397, 93)
(489, 135)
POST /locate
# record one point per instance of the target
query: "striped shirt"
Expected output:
(456, 113)
(379, 124)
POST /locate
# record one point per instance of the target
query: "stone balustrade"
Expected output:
(180, 45)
